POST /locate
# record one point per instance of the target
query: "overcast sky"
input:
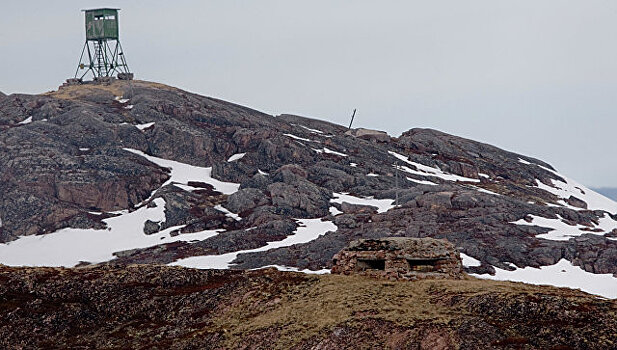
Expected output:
(534, 77)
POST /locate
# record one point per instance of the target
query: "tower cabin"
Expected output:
(400, 258)
(101, 24)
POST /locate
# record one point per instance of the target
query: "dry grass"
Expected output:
(307, 309)
(116, 88)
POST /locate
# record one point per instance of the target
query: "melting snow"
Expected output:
(309, 129)
(607, 224)
(25, 121)
(69, 246)
(144, 126)
(521, 160)
(334, 211)
(295, 269)
(183, 173)
(564, 190)
(353, 164)
(372, 174)
(560, 231)
(236, 157)
(129, 107)
(84, 148)
(382, 205)
(187, 188)
(424, 170)
(468, 261)
(484, 190)
(262, 172)
(298, 138)
(562, 274)
(424, 182)
(227, 212)
(309, 229)
(121, 100)
(327, 150)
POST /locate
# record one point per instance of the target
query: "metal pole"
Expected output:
(80, 58)
(91, 66)
(396, 180)
(352, 116)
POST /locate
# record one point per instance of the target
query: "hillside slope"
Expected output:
(155, 307)
(146, 173)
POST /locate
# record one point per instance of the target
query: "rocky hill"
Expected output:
(146, 173)
(157, 307)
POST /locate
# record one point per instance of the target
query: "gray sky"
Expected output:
(534, 77)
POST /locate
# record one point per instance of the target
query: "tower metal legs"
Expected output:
(102, 61)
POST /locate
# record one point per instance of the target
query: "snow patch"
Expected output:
(295, 269)
(69, 246)
(144, 126)
(334, 211)
(383, 205)
(309, 129)
(309, 230)
(187, 188)
(236, 157)
(129, 107)
(562, 274)
(372, 174)
(227, 212)
(560, 231)
(84, 148)
(121, 100)
(423, 182)
(424, 170)
(564, 190)
(484, 190)
(521, 160)
(468, 261)
(183, 173)
(329, 151)
(25, 121)
(298, 138)
(353, 164)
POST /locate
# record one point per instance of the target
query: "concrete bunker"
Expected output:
(400, 258)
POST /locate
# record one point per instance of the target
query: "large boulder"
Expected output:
(301, 199)
(246, 199)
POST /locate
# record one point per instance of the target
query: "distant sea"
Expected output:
(610, 192)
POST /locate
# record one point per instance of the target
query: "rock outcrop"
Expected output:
(68, 159)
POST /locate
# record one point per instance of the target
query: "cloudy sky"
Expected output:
(534, 77)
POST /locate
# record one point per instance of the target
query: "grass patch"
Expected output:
(304, 310)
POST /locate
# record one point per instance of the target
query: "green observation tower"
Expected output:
(102, 54)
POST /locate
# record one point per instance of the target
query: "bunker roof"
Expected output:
(407, 244)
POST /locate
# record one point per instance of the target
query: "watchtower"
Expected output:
(102, 54)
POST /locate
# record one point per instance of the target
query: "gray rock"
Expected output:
(577, 202)
(246, 199)
(302, 199)
(151, 227)
(349, 208)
